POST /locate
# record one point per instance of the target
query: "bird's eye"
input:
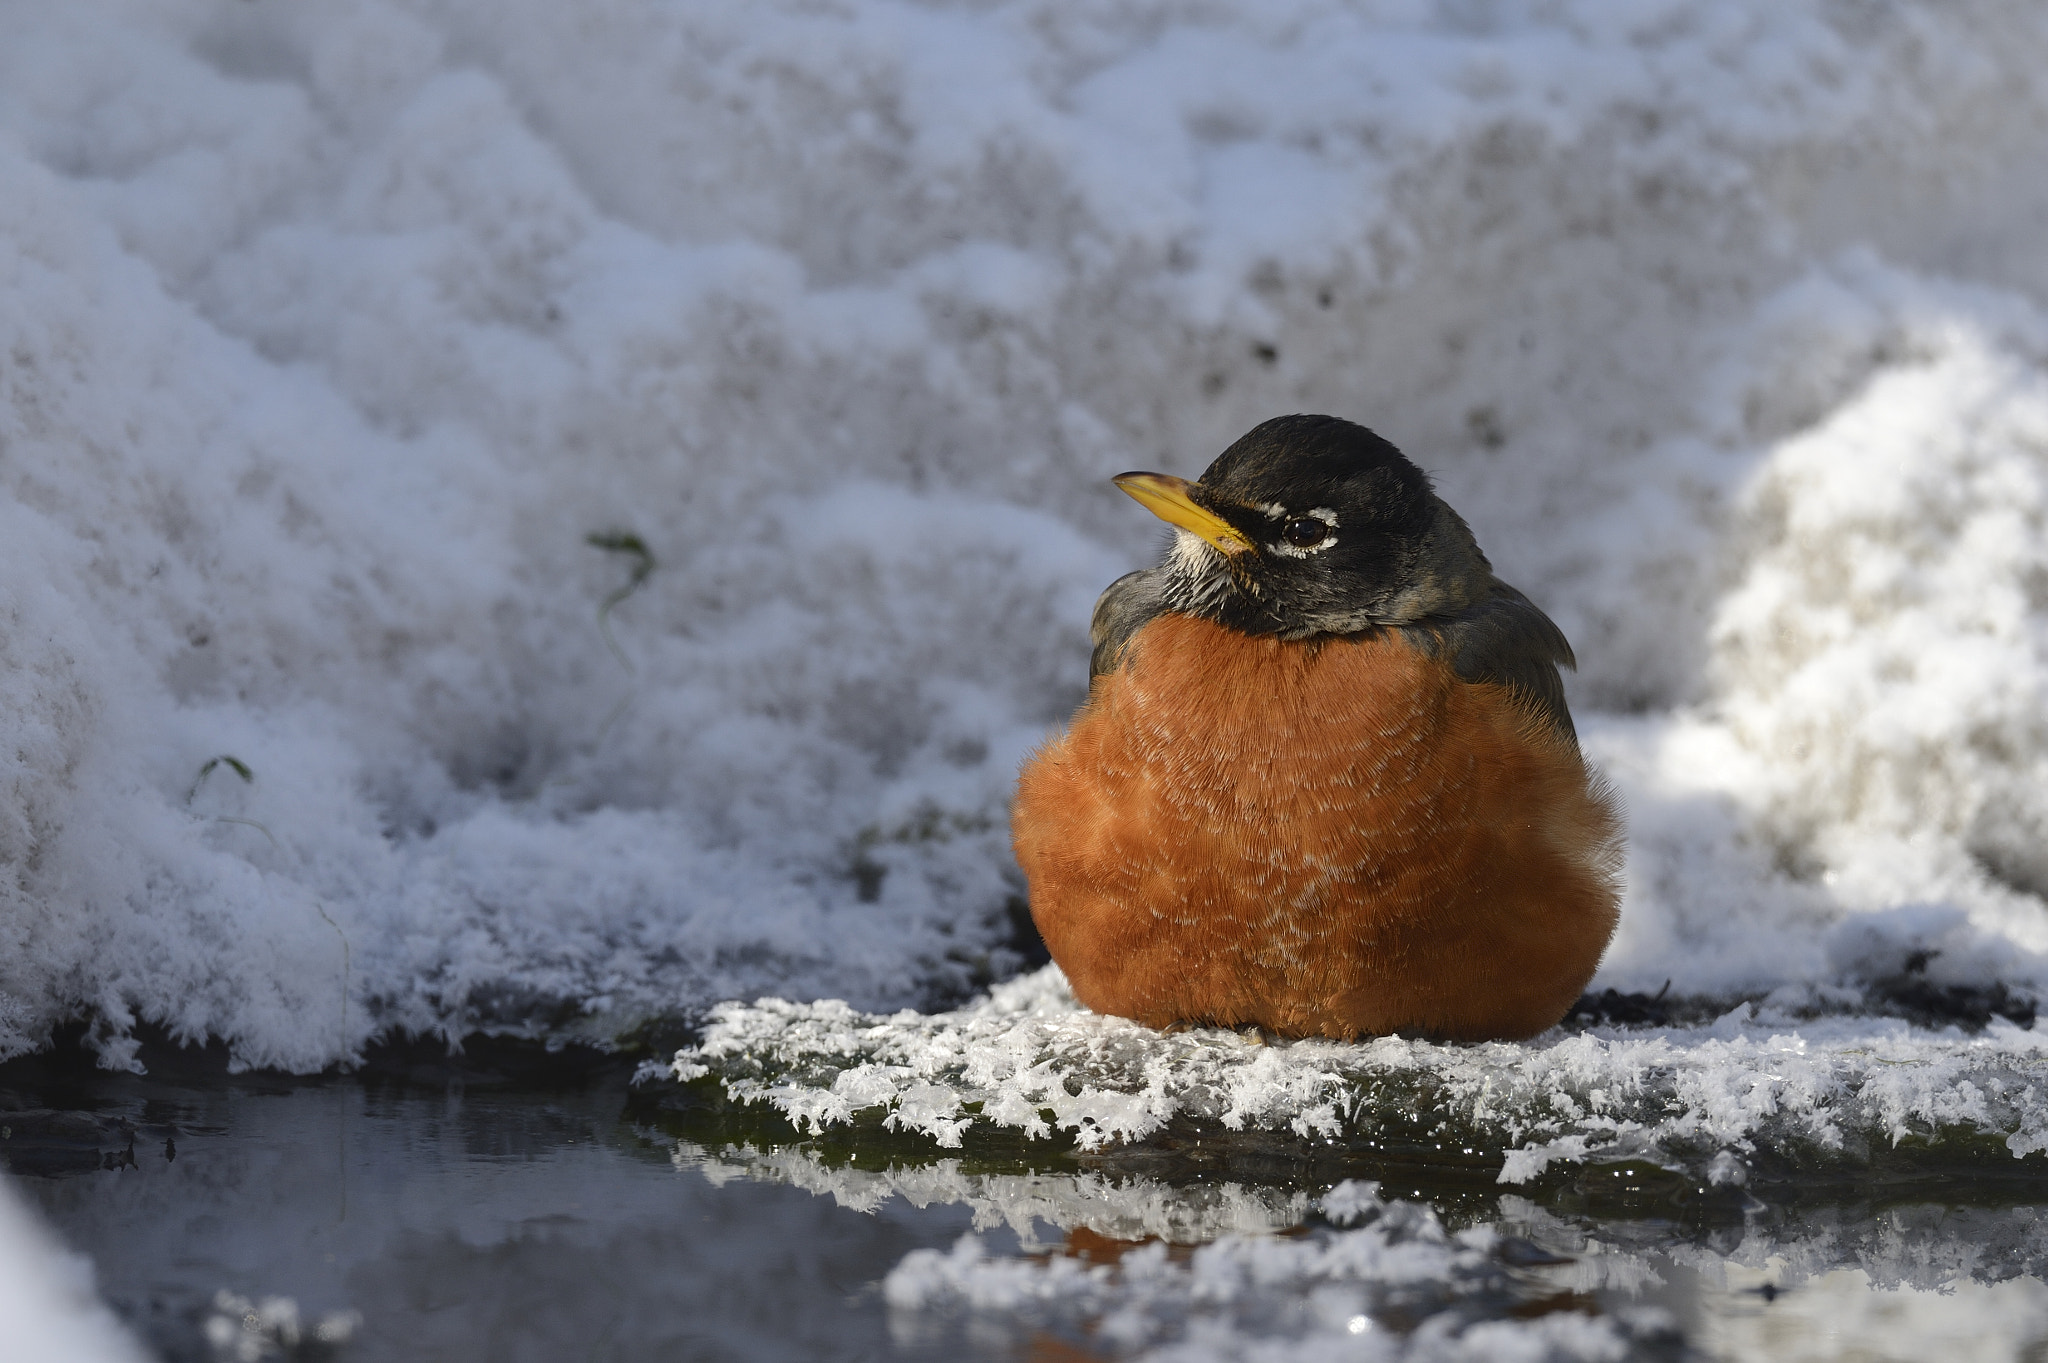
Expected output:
(1305, 532)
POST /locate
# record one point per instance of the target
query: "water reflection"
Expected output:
(462, 1221)
(1028, 1204)
(466, 1224)
(1836, 1281)
(1843, 1315)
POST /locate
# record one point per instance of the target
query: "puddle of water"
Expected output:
(469, 1222)
(459, 1214)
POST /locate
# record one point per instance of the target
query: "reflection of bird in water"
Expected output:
(1325, 781)
(1090, 1247)
(1046, 1347)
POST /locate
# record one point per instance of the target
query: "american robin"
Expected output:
(1324, 781)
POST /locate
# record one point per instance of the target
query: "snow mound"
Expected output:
(47, 1296)
(1754, 1088)
(1883, 651)
(625, 482)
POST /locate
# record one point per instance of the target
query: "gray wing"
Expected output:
(1124, 607)
(1505, 639)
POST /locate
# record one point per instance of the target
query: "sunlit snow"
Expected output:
(332, 334)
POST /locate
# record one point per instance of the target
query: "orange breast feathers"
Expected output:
(1333, 837)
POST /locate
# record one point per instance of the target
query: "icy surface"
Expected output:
(330, 334)
(1706, 1101)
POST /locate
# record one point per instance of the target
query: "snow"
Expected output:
(330, 335)
(48, 1300)
(1821, 1094)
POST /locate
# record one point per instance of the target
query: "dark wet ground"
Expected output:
(511, 1205)
(478, 1213)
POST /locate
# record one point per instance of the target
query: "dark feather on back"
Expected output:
(1504, 638)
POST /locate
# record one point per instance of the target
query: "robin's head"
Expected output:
(1312, 525)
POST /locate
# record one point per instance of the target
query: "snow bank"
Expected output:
(1771, 1087)
(47, 1298)
(329, 335)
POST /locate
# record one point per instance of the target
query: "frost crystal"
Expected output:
(1824, 1093)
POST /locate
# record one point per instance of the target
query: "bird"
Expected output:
(1325, 781)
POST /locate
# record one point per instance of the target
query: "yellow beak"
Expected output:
(1167, 498)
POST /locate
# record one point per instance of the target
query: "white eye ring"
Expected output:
(1285, 546)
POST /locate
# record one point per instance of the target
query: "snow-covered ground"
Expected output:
(329, 335)
(47, 1300)
(1813, 1095)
